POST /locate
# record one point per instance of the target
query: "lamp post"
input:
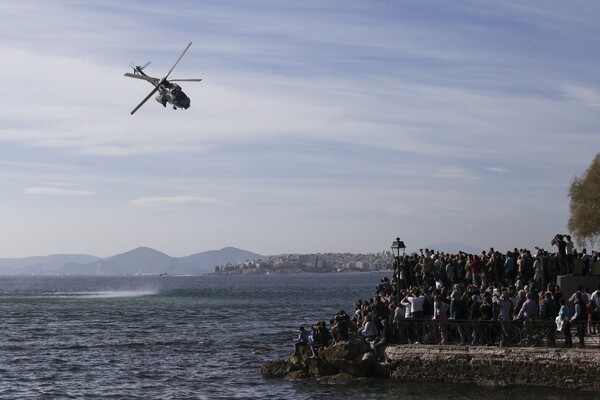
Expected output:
(397, 247)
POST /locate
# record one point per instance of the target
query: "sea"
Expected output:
(186, 337)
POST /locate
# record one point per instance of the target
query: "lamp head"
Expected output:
(397, 247)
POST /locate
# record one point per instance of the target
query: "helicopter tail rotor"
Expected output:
(138, 68)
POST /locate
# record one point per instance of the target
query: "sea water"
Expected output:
(184, 337)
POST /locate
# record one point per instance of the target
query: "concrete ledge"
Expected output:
(548, 367)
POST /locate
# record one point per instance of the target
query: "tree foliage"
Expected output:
(584, 222)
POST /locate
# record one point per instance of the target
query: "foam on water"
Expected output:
(109, 294)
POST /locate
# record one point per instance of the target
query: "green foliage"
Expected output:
(584, 222)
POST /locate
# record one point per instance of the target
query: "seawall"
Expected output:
(548, 367)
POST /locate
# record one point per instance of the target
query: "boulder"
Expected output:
(318, 368)
(297, 375)
(352, 358)
(351, 350)
(275, 369)
(338, 379)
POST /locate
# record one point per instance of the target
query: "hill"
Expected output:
(140, 261)
(39, 265)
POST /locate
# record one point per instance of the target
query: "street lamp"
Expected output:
(397, 246)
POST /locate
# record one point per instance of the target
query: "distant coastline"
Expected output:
(144, 261)
(310, 263)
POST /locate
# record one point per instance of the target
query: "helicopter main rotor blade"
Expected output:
(177, 62)
(185, 80)
(145, 99)
(142, 77)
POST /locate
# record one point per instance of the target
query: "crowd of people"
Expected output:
(491, 298)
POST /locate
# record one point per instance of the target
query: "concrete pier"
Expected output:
(532, 366)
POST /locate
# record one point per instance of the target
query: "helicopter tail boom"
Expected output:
(143, 77)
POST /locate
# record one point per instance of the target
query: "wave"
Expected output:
(109, 294)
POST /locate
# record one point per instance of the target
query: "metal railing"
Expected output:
(489, 333)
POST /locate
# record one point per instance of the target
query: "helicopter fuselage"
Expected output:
(168, 92)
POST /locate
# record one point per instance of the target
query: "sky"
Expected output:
(319, 126)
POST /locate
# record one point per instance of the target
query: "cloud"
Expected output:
(49, 191)
(585, 95)
(192, 201)
(498, 169)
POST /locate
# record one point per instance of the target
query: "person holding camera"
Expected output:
(560, 243)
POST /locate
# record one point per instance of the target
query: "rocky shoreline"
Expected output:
(486, 366)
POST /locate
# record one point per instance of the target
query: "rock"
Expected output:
(349, 357)
(275, 369)
(303, 358)
(350, 350)
(353, 358)
(318, 368)
(338, 379)
(297, 375)
(380, 370)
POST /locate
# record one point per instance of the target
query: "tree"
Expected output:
(584, 222)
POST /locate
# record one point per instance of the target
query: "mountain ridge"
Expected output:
(141, 260)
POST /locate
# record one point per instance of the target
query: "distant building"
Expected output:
(308, 260)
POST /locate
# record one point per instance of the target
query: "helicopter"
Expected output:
(168, 92)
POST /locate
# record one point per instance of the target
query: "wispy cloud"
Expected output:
(498, 169)
(51, 191)
(586, 95)
(189, 201)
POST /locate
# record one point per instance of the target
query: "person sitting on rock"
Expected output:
(321, 339)
(339, 328)
(369, 330)
(301, 341)
(381, 342)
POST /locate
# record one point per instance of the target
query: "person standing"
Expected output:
(569, 250)
(580, 318)
(440, 314)
(548, 312)
(510, 269)
(476, 267)
(538, 272)
(415, 301)
(564, 314)
(559, 242)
